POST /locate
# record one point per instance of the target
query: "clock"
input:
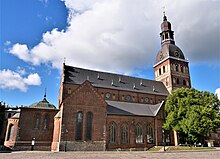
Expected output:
(161, 56)
(176, 54)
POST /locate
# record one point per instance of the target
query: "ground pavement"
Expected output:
(111, 155)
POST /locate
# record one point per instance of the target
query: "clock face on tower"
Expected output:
(176, 54)
(161, 56)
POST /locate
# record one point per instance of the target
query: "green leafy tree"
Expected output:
(192, 113)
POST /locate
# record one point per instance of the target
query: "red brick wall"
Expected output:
(43, 137)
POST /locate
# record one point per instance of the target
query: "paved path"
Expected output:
(111, 155)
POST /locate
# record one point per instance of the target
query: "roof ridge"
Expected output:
(113, 73)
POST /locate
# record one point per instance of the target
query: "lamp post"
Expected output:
(164, 140)
(66, 132)
(32, 143)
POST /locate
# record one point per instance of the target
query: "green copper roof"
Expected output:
(44, 104)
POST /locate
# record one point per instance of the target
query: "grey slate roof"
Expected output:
(125, 108)
(114, 81)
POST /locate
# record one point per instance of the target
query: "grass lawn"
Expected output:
(182, 148)
(156, 148)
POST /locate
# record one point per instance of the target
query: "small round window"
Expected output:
(128, 98)
(146, 100)
(108, 95)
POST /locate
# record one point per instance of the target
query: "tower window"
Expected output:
(177, 67)
(174, 80)
(164, 70)
(184, 82)
(166, 36)
(159, 71)
(177, 81)
(181, 67)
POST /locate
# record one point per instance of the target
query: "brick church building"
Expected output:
(104, 111)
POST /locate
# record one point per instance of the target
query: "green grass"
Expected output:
(155, 148)
(184, 148)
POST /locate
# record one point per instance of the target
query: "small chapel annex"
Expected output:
(105, 111)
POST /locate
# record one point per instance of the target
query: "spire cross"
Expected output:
(164, 10)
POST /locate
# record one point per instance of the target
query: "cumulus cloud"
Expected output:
(13, 80)
(217, 92)
(120, 35)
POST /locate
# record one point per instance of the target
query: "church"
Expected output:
(104, 111)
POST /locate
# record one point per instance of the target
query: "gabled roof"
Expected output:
(76, 75)
(125, 108)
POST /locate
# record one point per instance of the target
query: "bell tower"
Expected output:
(171, 67)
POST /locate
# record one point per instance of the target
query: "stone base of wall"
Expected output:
(82, 146)
(28, 148)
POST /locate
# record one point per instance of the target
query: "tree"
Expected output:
(192, 113)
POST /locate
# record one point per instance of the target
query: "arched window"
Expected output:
(177, 67)
(10, 132)
(46, 121)
(159, 71)
(177, 81)
(112, 133)
(79, 126)
(174, 80)
(139, 134)
(150, 134)
(124, 134)
(184, 82)
(37, 121)
(166, 36)
(164, 70)
(181, 67)
(88, 126)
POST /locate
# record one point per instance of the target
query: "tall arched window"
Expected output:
(164, 70)
(139, 134)
(88, 126)
(10, 132)
(112, 133)
(177, 81)
(46, 121)
(184, 82)
(150, 134)
(177, 67)
(124, 134)
(37, 121)
(79, 126)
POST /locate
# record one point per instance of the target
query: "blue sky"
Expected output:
(114, 36)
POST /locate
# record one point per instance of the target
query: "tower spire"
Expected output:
(45, 93)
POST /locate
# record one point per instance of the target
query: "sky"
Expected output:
(117, 36)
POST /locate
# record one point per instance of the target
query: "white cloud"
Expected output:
(120, 35)
(217, 92)
(13, 80)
